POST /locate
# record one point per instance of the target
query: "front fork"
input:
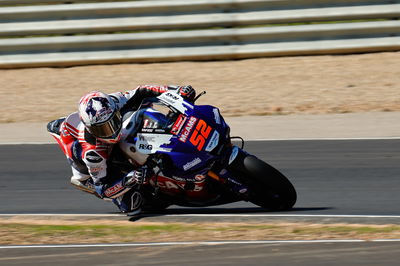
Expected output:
(225, 175)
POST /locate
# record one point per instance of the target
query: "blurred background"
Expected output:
(254, 57)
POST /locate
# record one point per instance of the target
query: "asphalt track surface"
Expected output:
(351, 177)
(307, 254)
(332, 178)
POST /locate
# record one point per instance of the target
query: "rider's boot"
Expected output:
(84, 185)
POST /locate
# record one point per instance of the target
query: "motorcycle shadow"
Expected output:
(184, 212)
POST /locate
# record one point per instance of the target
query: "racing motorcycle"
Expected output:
(194, 163)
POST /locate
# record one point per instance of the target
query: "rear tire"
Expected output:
(155, 207)
(154, 204)
(268, 187)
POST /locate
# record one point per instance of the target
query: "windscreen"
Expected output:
(159, 117)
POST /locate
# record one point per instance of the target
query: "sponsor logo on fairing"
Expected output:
(111, 191)
(181, 179)
(168, 185)
(213, 141)
(148, 143)
(175, 101)
(234, 153)
(172, 96)
(149, 124)
(217, 116)
(146, 138)
(200, 178)
(178, 124)
(187, 129)
(191, 164)
(145, 146)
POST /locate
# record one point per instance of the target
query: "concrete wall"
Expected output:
(159, 31)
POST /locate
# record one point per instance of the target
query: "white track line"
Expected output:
(212, 215)
(63, 214)
(286, 215)
(202, 243)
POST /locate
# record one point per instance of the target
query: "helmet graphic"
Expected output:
(101, 116)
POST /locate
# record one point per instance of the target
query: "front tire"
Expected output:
(268, 187)
(273, 190)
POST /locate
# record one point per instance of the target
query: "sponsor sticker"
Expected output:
(187, 129)
(191, 164)
(217, 116)
(176, 101)
(177, 178)
(95, 169)
(170, 98)
(149, 124)
(145, 146)
(176, 128)
(113, 190)
(146, 137)
(213, 141)
(234, 153)
(147, 143)
(199, 178)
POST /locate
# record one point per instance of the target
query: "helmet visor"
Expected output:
(109, 128)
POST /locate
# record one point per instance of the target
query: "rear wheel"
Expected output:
(155, 207)
(154, 204)
(269, 188)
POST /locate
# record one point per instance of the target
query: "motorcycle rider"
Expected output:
(87, 138)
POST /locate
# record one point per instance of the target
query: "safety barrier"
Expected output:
(159, 31)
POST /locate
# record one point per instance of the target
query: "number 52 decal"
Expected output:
(200, 134)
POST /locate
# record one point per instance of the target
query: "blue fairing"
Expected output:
(212, 116)
(196, 144)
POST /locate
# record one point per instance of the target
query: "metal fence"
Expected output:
(60, 34)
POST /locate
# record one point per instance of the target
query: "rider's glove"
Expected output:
(187, 92)
(136, 177)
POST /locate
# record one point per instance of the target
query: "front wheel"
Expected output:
(268, 187)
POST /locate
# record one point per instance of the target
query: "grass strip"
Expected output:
(20, 233)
